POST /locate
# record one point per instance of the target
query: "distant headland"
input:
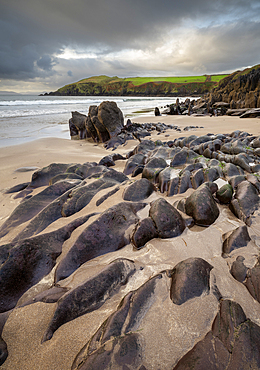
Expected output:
(140, 86)
(239, 89)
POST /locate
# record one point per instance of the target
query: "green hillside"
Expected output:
(141, 86)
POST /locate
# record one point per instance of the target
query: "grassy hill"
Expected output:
(141, 86)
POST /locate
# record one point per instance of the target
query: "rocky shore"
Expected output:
(141, 255)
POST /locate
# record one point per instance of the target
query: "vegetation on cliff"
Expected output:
(141, 86)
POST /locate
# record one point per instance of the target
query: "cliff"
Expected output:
(240, 89)
(160, 86)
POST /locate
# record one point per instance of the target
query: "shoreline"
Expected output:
(41, 152)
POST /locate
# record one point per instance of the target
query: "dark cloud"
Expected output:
(33, 33)
(46, 62)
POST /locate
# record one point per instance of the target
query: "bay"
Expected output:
(25, 118)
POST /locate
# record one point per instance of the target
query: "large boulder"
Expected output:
(190, 279)
(201, 206)
(102, 123)
(111, 117)
(168, 221)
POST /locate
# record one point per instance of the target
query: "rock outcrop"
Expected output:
(239, 90)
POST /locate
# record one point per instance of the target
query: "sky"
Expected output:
(46, 44)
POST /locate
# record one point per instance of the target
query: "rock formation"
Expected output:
(155, 266)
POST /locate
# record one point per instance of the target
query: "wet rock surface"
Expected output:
(159, 271)
(232, 343)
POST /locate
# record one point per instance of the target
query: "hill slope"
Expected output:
(141, 86)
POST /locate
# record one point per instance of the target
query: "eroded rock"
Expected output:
(106, 234)
(190, 279)
(201, 206)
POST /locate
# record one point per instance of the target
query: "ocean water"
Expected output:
(24, 118)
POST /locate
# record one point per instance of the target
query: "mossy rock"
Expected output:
(225, 193)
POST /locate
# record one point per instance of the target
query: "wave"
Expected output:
(47, 102)
(31, 113)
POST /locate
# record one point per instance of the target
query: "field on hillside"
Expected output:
(136, 81)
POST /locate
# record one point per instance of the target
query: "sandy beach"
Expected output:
(25, 326)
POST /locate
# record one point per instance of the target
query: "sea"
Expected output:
(25, 118)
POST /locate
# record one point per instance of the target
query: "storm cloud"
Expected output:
(51, 43)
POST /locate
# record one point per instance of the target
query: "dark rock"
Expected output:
(245, 202)
(242, 160)
(199, 140)
(213, 187)
(26, 262)
(235, 180)
(211, 174)
(109, 160)
(238, 269)
(81, 196)
(144, 147)
(116, 141)
(231, 170)
(104, 235)
(185, 182)
(201, 206)
(193, 167)
(253, 281)
(45, 217)
(225, 193)
(3, 351)
(90, 295)
(138, 169)
(233, 343)
(167, 219)
(107, 195)
(153, 168)
(65, 176)
(139, 190)
(133, 162)
(32, 206)
(164, 178)
(77, 125)
(236, 239)
(90, 128)
(254, 181)
(173, 186)
(43, 176)
(157, 112)
(197, 178)
(182, 157)
(145, 230)
(101, 130)
(96, 171)
(111, 117)
(120, 329)
(190, 279)
(251, 113)
(51, 295)
(71, 202)
(16, 188)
